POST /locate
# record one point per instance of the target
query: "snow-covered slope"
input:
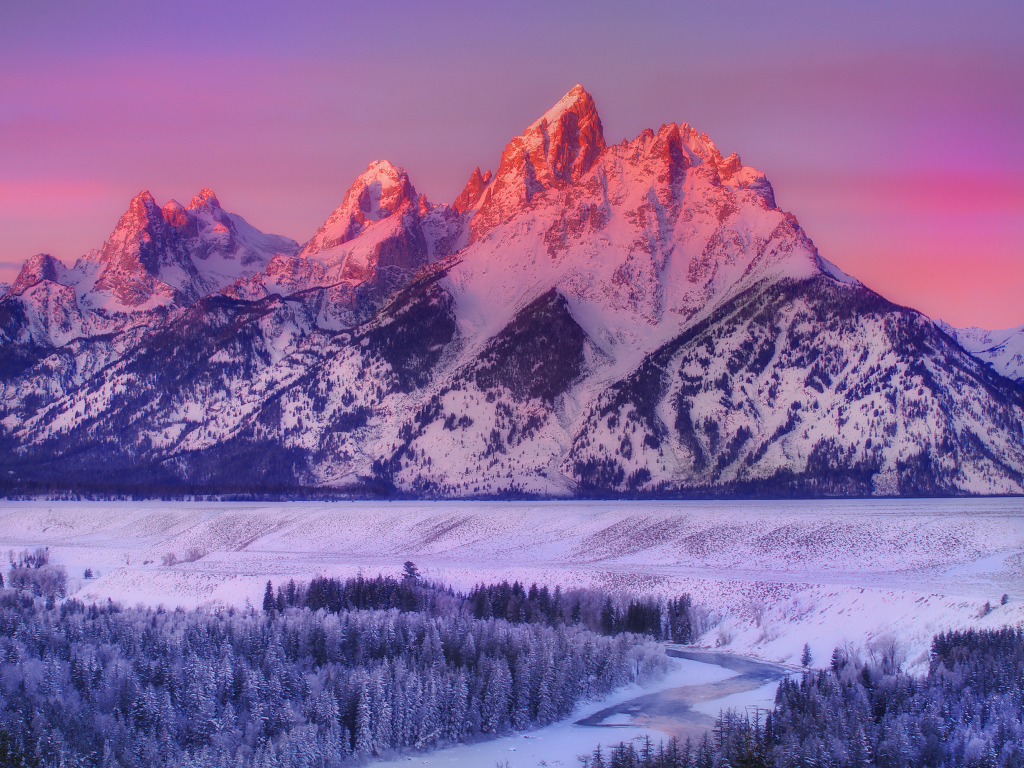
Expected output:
(370, 246)
(635, 318)
(1002, 349)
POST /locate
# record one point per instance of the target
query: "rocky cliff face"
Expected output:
(593, 319)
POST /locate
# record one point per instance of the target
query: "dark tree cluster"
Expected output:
(736, 742)
(664, 620)
(539, 354)
(99, 685)
(646, 755)
(32, 571)
(967, 711)
(12, 755)
(670, 620)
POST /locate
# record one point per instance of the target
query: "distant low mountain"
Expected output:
(588, 320)
(1003, 350)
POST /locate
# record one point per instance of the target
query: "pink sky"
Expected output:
(893, 134)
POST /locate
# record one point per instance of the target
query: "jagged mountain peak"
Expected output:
(577, 101)
(144, 197)
(556, 150)
(174, 255)
(570, 136)
(568, 132)
(41, 266)
(636, 318)
(473, 191)
(145, 215)
(142, 210)
(384, 190)
(138, 226)
(378, 193)
(205, 199)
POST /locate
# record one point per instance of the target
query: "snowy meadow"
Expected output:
(772, 575)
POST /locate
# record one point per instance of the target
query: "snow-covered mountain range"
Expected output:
(590, 319)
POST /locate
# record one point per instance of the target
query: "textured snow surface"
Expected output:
(774, 574)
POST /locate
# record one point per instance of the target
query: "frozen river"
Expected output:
(689, 710)
(684, 704)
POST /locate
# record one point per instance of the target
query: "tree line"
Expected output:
(671, 620)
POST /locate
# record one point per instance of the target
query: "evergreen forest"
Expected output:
(325, 674)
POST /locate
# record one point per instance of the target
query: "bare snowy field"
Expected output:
(775, 574)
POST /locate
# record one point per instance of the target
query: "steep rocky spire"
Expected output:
(381, 191)
(558, 149)
(470, 194)
(573, 136)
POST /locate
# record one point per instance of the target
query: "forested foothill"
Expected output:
(328, 673)
(967, 712)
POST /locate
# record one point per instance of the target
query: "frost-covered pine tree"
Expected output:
(364, 721)
(521, 694)
(383, 731)
(496, 697)
(268, 597)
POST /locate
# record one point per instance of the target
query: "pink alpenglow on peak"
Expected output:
(156, 258)
(205, 198)
(382, 191)
(557, 149)
(473, 191)
(35, 270)
(627, 319)
(573, 136)
(176, 214)
(371, 244)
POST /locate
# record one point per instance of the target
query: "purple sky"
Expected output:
(893, 133)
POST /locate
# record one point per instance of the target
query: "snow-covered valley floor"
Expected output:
(773, 574)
